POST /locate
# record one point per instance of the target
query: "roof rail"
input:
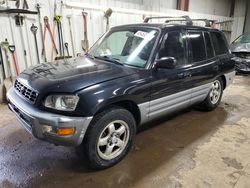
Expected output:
(180, 18)
(189, 21)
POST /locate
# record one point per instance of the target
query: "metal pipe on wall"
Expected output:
(76, 5)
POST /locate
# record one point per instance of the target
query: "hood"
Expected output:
(240, 47)
(72, 74)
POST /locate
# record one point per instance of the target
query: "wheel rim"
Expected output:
(215, 92)
(113, 139)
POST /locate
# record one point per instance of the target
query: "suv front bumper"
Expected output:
(35, 121)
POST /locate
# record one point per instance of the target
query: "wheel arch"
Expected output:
(127, 104)
(224, 81)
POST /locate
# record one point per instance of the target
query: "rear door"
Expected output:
(226, 63)
(203, 64)
(169, 91)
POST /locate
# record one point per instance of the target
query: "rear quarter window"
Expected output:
(219, 42)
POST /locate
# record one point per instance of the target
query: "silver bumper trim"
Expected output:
(229, 78)
(33, 119)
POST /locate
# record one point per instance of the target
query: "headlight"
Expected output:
(61, 102)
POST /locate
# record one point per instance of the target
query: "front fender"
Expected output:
(112, 100)
(98, 96)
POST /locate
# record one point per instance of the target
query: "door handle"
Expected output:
(187, 74)
(216, 67)
(181, 75)
(184, 74)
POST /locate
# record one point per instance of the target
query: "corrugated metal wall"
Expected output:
(239, 18)
(96, 23)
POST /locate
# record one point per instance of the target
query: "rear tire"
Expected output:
(214, 96)
(109, 138)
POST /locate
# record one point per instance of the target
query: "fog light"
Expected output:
(64, 131)
(47, 128)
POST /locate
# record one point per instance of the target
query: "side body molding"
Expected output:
(166, 105)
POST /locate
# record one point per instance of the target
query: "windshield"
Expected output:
(131, 46)
(243, 39)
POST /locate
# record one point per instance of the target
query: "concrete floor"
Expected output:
(190, 149)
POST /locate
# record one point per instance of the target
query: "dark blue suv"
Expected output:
(133, 74)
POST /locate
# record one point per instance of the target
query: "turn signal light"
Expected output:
(64, 131)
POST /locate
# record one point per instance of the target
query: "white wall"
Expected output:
(214, 7)
(222, 8)
(96, 22)
(158, 5)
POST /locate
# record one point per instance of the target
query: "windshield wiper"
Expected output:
(89, 55)
(109, 59)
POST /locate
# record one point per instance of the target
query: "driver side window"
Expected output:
(173, 45)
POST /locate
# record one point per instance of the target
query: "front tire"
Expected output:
(109, 137)
(214, 96)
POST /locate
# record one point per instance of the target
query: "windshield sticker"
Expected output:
(141, 34)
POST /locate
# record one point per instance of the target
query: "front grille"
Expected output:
(26, 92)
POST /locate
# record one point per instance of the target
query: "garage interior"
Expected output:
(190, 148)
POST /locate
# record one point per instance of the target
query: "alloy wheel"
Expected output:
(113, 139)
(215, 92)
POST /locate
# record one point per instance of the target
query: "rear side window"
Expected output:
(197, 46)
(220, 45)
(209, 47)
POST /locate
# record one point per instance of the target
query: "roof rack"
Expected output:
(187, 19)
(208, 23)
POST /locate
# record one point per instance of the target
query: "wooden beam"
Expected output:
(183, 5)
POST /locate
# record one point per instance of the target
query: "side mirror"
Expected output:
(165, 63)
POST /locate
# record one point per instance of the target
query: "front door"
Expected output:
(169, 91)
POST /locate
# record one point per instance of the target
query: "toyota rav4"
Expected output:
(133, 74)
